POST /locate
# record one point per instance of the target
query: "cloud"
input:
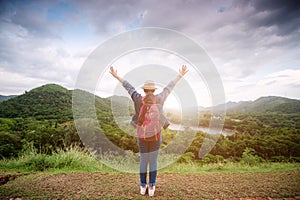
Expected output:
(16, 83)
(238, 35)
(282, 14)
(288, 77)
(280, 83)
(49, 40)
(32, 47)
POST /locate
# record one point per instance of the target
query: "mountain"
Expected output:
(121, 106)
(268, 104)
(4, 98)
(46, 102)
(262, 104)
(227, 106)
(53, 101)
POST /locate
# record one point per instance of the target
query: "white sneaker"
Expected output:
(143, 189)
(151, 191)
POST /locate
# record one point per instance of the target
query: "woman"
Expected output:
(149, 146)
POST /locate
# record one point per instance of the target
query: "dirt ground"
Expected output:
(84, 185)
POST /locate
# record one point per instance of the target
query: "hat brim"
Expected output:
(149, 88)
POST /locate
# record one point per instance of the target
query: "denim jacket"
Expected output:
(160, 99)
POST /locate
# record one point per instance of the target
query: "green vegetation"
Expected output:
(269, 104)
(46, 135)
(46, 102)
(4, 98)
(77, 159)
(70, 159)
(266, 130)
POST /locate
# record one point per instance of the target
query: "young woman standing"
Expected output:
(149, 146)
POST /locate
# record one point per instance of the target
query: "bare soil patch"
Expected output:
(83, 185)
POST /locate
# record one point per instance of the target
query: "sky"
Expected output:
(253, 44)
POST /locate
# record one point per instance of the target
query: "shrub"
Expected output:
(73, 158)
(279, 159)
(37, 162)
(249, 158)
(295, 159)
(9, 144)
(186, 158)
(209, 158)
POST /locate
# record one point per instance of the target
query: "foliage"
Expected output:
(209, 158)
(46, 102)
(4, 98)
(268, 104)
(72, 158)
(43, 117)
(186, 158)
(249, 158)
(10, 144)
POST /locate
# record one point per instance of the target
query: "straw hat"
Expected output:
(149, 85)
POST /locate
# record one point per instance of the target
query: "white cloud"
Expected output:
(284, 83)
(288, 77)
(49, 41)
(16, 83)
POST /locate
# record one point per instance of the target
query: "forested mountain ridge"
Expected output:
(44, 117)
(268, 104)
(4, 98)
(49, 101)
(53, 101)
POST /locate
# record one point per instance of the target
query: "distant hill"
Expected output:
(53, 101)
(45, 102)
(262, 104)
(268, 104)
(227, 106)
(121, 106)
(4, 98)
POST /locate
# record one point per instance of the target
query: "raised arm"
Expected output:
(182, 71)
(135, 96)
(115, 74)
(130, 89)
(167, 90)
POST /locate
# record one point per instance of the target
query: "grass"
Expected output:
(72, 159)
(192, 168)
(76, 174)
(76, 159)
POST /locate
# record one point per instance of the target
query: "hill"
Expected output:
(38, 115)
(4, 98)
(268, 104)
(49, 101)
(121, 106)
(53, 101)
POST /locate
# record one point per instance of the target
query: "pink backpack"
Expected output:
(148, 125)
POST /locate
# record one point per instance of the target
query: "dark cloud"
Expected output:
(285, 15)
(242, 36)
(30, 16)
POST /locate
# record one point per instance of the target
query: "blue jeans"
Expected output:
(148, 155)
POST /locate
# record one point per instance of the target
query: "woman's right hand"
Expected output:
(113, 72)
(183, 70)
